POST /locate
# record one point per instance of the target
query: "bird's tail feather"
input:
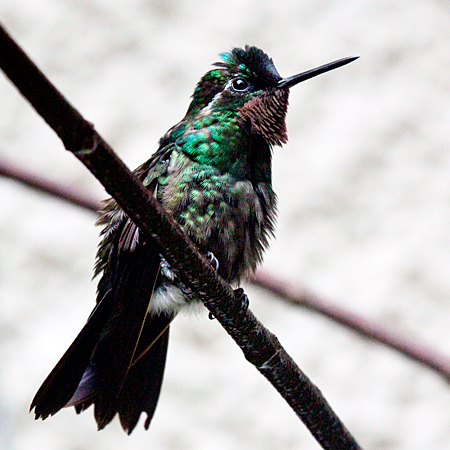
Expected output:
(117, 361)
(61, 383)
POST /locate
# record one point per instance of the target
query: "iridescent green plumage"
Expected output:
(212, 173)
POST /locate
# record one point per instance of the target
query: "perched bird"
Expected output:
(212, 173)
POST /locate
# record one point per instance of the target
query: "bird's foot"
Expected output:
(215, 263)
(241, 296)
(212, 260)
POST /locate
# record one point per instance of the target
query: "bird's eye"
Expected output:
(240, 85)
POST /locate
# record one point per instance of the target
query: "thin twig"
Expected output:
(47, 187)
(260, 347)
(407, 347)
(369, 329)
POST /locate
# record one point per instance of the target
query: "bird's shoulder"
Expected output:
(118, 229)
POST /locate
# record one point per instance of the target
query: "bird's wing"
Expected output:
(105, 347)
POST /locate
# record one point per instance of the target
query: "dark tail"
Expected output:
(117, 361)
(62, 382)
(141, 387)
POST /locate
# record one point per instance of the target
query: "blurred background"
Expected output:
(364, 214)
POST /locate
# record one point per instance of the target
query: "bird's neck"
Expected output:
(218, 138)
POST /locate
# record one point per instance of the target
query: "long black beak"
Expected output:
(287, 83)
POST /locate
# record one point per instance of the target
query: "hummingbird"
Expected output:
(212, 173)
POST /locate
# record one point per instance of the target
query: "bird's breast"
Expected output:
(225, 216)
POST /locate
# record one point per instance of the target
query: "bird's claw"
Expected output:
(212, 260)
(241, 296)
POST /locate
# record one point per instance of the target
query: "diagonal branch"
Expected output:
(413, 349)
(260, 347)
(407, 347)
(41, 184)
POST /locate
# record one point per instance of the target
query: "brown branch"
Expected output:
(371, 330)
(260, 347)
(45, 186)
(291, 294)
